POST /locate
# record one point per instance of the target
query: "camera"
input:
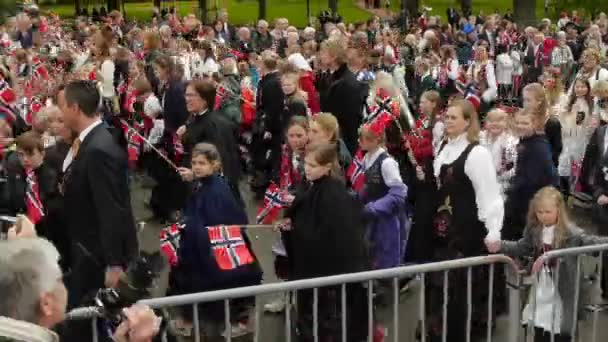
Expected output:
(602, 103)
(139, 279)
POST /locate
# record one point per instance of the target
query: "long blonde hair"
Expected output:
(562, 231)
(540, 114)
(328, 123)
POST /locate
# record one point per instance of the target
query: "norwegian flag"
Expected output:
(169, 242)
(134, 142)
(7, 94)
(33, 204)
(228, 247)
(356, 172)
(220, 95)
(39, 71)
(178, 149)
(33, 107)
(273, 203)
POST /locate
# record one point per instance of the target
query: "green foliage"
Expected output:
(246, 11)
(585, 8)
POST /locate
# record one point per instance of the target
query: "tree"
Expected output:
(525, 11)
(466, 6)
(411, 6)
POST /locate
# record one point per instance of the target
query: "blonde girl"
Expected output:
(576, 120)
(554, 89)
(384, 191)
(295, 98)
(549, 228)
(536, 104)
(502, 144)
(324, 129)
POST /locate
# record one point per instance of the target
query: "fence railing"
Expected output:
(514, 285)
(559, 256)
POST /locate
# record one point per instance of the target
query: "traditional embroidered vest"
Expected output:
(375, 187)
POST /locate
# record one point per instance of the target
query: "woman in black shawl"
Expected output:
(327, 238)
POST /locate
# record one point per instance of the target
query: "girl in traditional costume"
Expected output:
(420, 141)
(469, 211)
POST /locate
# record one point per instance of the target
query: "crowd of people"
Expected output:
(368, 146)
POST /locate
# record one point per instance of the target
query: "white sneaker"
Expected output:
(276, 306)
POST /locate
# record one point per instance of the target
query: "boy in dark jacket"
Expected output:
(464, 49)
(32, 185)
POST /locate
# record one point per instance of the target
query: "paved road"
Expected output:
(272, 326)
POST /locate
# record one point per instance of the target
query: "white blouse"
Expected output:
(389, 168)
(480, 169)
(504, 154)
(107, 78)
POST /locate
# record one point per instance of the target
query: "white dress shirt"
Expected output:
(480, 169)
(70, 156)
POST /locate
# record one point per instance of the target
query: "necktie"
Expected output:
(75, 147)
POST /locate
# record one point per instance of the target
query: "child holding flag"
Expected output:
(213, 251)
(290, 176)
(383, 191)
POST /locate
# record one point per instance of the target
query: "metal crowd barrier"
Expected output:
(578, 253)
(341, 281)
(515, 285)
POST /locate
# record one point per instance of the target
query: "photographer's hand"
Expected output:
(24, 228)
(113, 274)
(140, 325)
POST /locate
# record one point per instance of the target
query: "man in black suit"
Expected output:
(343, 96)
(97, 201)
(269, 127)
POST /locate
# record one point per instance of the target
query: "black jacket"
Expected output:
(344, 101)
(270, 103)
(213, 128)
(47, 179)
(175, 112)
(98, 203)
(327, 236)
(553, 132)
(535, 170)
(594, 157)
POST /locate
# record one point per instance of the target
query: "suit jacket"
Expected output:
(97, 200)
(594, 156)
(601, 165)
(343, 99)
(270, 102)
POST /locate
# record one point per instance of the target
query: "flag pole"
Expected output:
(160, 154)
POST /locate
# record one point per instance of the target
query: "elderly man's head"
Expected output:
(262, 26)
(31, 282)
(308, 33)
(244, 34)
(165, 31)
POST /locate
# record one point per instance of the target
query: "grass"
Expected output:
(246, 11)
(241, 12)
